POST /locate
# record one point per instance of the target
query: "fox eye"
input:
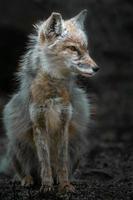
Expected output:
(73, 48)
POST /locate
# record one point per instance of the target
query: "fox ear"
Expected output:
(80, 18)
(53, 26)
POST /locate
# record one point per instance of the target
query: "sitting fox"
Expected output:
(46, 120)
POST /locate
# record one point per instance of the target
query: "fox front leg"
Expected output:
(41, 139)
(42, 147)
(63, 171)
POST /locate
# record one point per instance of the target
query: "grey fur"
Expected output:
(80, 18)
(19, 119)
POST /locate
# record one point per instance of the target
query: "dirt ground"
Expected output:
(107, 175)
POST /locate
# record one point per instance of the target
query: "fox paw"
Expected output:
(27, 181)
(66, 188)
(46, 188)
(16, 178)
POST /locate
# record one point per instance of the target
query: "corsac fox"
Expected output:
(46, 120)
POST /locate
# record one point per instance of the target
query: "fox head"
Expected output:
(63, 46)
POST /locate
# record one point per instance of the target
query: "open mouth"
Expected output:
(87, 74)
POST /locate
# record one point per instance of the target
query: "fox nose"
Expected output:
(96, 68)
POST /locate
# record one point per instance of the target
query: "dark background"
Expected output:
(110, 32)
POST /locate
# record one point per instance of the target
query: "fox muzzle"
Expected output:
(95, 68)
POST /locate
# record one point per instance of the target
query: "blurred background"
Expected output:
(109, 27)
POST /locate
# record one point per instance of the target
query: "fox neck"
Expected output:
(56, 73)
(55, 69)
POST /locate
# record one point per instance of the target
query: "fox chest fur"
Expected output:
(45, 87)
(52, 100)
